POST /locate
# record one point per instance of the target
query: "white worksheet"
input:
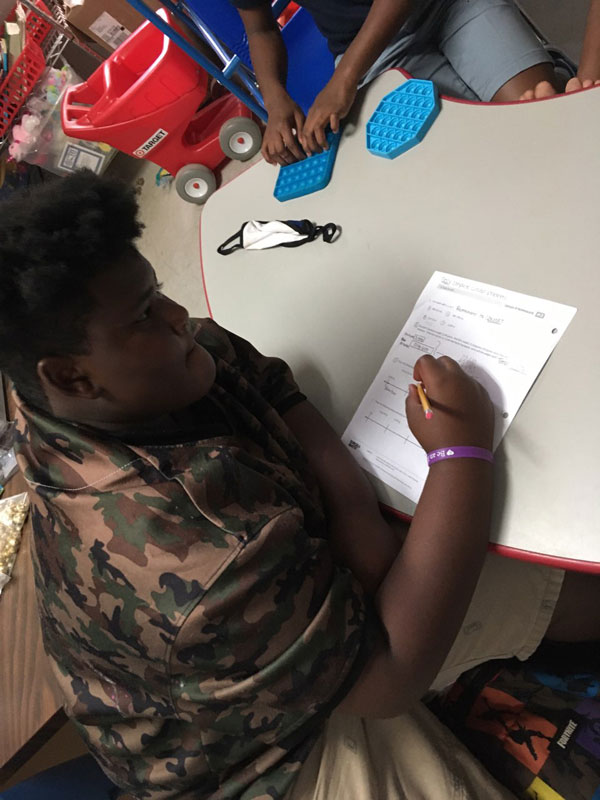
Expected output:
(500, 337)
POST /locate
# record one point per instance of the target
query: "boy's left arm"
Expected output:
(359, 536)
(333, 103)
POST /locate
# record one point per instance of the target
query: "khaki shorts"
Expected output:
(415, 757)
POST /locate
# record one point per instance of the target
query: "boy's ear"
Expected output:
(62, 374)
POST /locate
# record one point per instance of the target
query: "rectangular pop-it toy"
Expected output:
(309, 175)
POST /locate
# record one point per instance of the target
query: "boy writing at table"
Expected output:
(228, 613)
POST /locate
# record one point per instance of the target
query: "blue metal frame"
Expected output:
(279, 6)
(232, 62)
(248, 95)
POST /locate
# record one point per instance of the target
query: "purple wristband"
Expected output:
(459, 452)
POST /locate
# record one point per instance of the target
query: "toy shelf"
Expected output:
(46, 36)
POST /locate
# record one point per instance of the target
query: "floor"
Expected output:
(171, 243)
(171, 237)
(63, 746)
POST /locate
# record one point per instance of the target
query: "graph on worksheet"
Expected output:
(500, 337)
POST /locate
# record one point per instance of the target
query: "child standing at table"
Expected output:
(473, 49)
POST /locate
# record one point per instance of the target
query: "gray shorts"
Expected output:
(468, 48)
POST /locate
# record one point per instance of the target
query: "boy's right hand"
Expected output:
(463, 414)
(280, 142)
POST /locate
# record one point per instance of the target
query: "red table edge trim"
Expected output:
(558, 562)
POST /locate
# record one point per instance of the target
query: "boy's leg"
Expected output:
(402, 758)
(415, 50)
(540, 75)
(494, 50)
(511, 610)
(516, 604)
(515, 88)
(576, 617)
(431, 65)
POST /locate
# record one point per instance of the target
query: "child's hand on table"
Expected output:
(463, 414)
(280, 142)
(330, 106)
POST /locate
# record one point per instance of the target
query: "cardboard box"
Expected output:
(107, 22)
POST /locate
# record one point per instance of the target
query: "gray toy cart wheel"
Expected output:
(195, 183)
(240, 138)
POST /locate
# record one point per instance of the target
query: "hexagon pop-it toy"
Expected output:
(309, 175)
(402, 118)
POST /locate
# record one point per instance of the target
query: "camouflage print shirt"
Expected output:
(199, 629)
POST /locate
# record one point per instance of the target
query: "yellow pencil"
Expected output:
(424, 402)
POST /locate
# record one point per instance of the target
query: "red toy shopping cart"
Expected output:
(144, 100)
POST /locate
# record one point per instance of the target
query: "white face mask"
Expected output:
(257, 235)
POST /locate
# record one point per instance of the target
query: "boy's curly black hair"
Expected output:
(53, 240)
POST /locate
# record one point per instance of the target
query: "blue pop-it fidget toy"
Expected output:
(309, 175)
(402, 118)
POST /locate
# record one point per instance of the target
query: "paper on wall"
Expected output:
(110, 30)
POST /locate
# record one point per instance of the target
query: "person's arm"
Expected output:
(359, 536)
(269, 59)
(333, 103)
(424, 596)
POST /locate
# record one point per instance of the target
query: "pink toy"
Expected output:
(24, 136)
(30, 129)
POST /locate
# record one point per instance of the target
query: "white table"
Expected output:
(506, 194)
